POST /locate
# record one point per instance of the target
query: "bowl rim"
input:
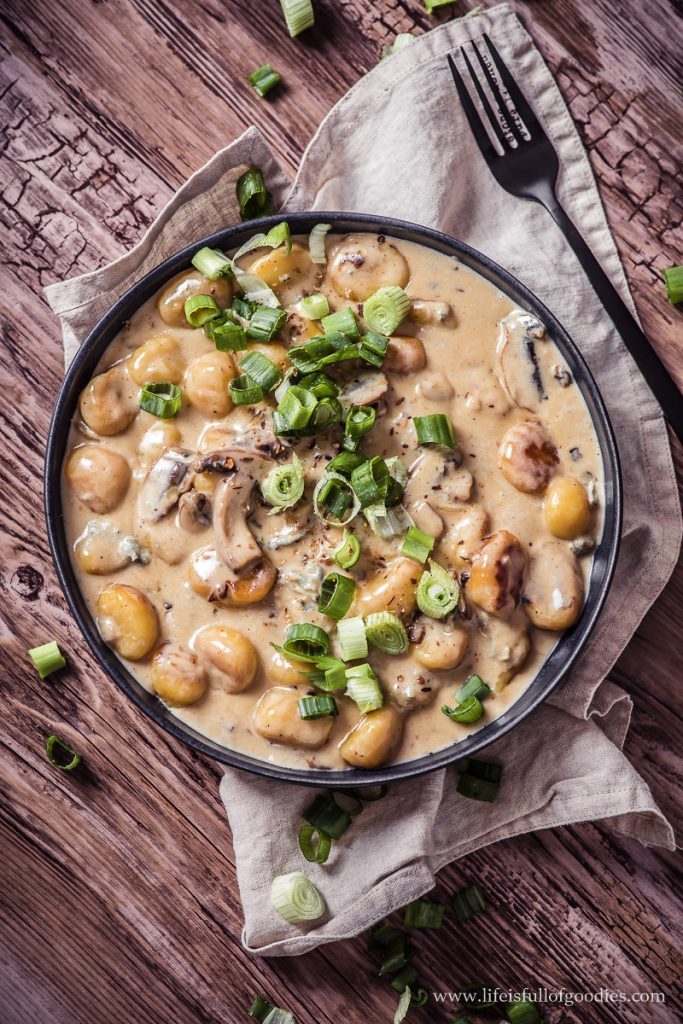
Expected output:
(565, 652)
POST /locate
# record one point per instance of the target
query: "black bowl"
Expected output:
(564, 653)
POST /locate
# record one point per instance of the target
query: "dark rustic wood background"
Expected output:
(118, 900)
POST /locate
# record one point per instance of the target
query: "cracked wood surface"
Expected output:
(118, 900)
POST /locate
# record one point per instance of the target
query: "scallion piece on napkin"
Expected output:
(47, 658)
(325, 814)
(295, 898)
(402, 40)
(264, 79)
(315, 844)
(252, 195)
(673, 277)
(479, 780)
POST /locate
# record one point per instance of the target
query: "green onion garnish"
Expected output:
(47, 658)
(397, 470)
(341, 322)
(348, 552)
(386, 632)
(387, 522)
(313, 307)
(318, 353)
(252, 195)
(242, 308)
(226, 335)
(435, 431)
(161, 399)
(316, 243)
(266, 322)
(211, 263)
(264, 79)
(320, 706)
(346, 462)
(326, 815)
(370, 796)
(315, 844)
(403, 1005)
(479, 780)
(266, 1013)
(386, 309)
(261, 370)
(523, 1012)
(284, 485)
(467, 903)
(278, 235)
(360, 420)
(370, 481)
(244, 391)
(373, 348)
(362, 686)
(424, 914)
(673, 276)
(398, 954)
(417, 545)
(437, 592)
(296, 898)
(431, 5)
(298, 15)
(200, 308)
(334, 494)
(473, 687)
(297, 406)
(61, 755)
(400, 42)
(330, 674)
(467, 712)
(336, 595)
(305, 641)
(405, 978)
(353, 642)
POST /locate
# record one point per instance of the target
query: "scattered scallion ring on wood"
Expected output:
(336, 595)
(469, 711)
(264, 79)
(267, 1013)
(673, 277)
(523, 1012)
(347, 553)
(200, 308)
(435, 431)
(353, 643)
(417, 545)
(261, 370)
(252, 195)
(403, 1005)
(318, 706)
(265, 323)
(386, 632)
(304, 641)
(159, 398)
(341, 322)
(405, 979)
(360, 420)
(362, 686)
(313, 307)
(424, 914)
(243, 390)
(295, 898)
(473, 687)
(324, 813)
(61, 755)
(386, 309)
(211, 263)
(47, 658)
(432, 5)
(334, 493)
(467, 903)
(314, 844)
(373, 348)
(370, 481)
(437, 592)
(298, 15)
(283, 487)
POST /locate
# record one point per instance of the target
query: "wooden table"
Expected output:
(118, 900)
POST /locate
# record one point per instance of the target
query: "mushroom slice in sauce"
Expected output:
(235, 543)
(168, 478)
(518, 366)
(365, 388)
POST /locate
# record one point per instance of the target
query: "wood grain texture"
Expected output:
(118, 900)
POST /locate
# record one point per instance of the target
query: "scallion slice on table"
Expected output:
(161, 399)
(265, 323)
(347, 553)
(467, 903)
(244, 391)
(473, 687)
(334, 494)
(252, 195)
(373, 348)
(370, 481)
(467, 712)
(212, 263)
(296, 407)
(353, 642)
(324, 813)
(267, 1013)
(435, 431)
(417, 545)
(47, 658)
(226, 335)
(296, 898)
(336, 595)
(479, 780)
(264, 79)
(261, 370)
(405, 978)
(403, 1006)
(431, 5)
(298, 15)
(61, 755)
(316, 243)
(360, 420)
(386, 632)
(424, 914)
(319, 706)
(200, 308)
(673, 276)
(315, 844)
(362, 686)
(386, 309)
(313, 307)
(304, 641)
(523, 1012)
(284, 485)
(341, 322)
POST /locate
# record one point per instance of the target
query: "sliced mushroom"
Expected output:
(519, 370)
(242, 431)
(365, 388)
(194, 511)
(168, 478)
(234, 541)
(427, 311)
(438, 483)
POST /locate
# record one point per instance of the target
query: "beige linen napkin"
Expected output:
(398, 145)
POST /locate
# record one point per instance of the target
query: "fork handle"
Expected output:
(650, 365)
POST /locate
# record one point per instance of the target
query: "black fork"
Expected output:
(523, 161)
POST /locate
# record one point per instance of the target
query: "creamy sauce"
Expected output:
(484, 369)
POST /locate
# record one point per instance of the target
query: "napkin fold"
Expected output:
(398, 144)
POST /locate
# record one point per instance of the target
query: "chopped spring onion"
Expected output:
(266, 1013)
(397, 470)
(346, 462)
(417, 545)
(265, 323)
(523, 1012)
(673, 276)
(318, 353)
(313, 307)
(242, 309)
(362, 686)
(336, 595)
(298, 15)
(360, 420)
(467, 903)
(161, 399)
(424, 914)
(398, 953)
(243, 390)
(403, 1005)
(386, 309)
(473, 687)
(284, 485)
(296, 407)
(320, 385)
(470, 710)
(296, 898)
(350, 801)
(255, 290)
(437, 592)
(315, 844)
(435, 430)
(386, 632)
(226, 335)
(48, 658)
(261, 370)
(353, 643)
(305, 642)
(61, 755)
(479, 780)
(369, 796)
(370, 481)
(199, 309)
(402, 40)
(211, 263)
(394, 493)
(431, 5)
(334, 493)
(252, 195)
(321, 706)
(264, 79)
(341, 322)
(326, 815)
(405, 978)
(278, 235)
(387, 522)
(348, 552)
(330, 674)
(373, 348)
(316, 243)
